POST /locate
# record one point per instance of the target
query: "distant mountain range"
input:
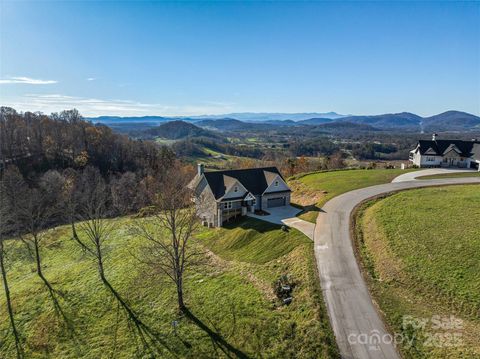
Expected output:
(271, 116)
(447, 121)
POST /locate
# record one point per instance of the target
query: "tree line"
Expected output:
(60, 169)
(36, 142)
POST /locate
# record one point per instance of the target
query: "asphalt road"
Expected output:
(353, 315)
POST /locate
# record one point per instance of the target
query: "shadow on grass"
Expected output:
(229, 350)
(150, 339)
(251, 223)
(61, 313)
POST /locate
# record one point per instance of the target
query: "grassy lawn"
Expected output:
(450, 175)
(315, 189)
(231, 294)
(421, 251)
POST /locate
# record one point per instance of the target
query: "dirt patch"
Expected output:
(303, 195)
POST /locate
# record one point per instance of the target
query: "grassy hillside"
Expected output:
(314, 190)
(231, 295)
(421, 249)
(450, 175)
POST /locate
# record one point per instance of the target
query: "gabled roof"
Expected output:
(452, 147)
(255, 180)
(441, 147)
(270, 177)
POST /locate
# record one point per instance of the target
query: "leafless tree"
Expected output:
(71, 199)
(96, 227)
(39, 208)
(10, 181)
(170, 231)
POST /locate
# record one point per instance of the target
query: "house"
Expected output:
(446, 153)
(222, 195)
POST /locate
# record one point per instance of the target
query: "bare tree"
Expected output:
(71, 200)
(97, 229)
(38, 209)
(9, 182)
(170, 231)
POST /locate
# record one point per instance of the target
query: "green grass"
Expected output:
(421, 249)
(232, 294)
(165, 141)
(320, 187)
(216, 160)
(253, 241)
(450, 175)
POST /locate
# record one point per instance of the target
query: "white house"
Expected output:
(446, 153)
(221, 195)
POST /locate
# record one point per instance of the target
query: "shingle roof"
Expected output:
(255, 180)
(443, 146)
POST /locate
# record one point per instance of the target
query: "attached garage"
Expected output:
(276, 202)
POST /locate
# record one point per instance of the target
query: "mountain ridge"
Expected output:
(451, 120)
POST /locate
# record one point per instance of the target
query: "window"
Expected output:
(227, 205)
(430, 159)
(254, 201)
(235, 189)
(276, 183)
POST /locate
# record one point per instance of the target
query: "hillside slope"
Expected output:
(451, 121)
(175, 130)
(230, 294)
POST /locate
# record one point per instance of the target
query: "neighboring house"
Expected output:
(446, 153)
(221, 195)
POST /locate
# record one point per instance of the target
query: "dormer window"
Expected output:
(235, 189)
(276, 183)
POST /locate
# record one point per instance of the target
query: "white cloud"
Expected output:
(91, 79)
(26, 80)
(91, 107)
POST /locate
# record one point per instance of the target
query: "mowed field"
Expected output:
(450, 175)
(421, 253)
(230, 294)
(314, 190)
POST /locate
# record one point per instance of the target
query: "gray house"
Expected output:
(446, 153)
(222, 195)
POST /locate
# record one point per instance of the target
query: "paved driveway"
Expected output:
(410, 176)
(354, 318)
(286, 215)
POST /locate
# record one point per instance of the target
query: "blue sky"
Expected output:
(184, 58)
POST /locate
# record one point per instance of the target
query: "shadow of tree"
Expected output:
(217, 339)
(151, 340)
(61, 313)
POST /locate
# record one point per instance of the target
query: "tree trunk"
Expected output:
(181, 304)
(38, 261)
(9, 303)
(74, 231)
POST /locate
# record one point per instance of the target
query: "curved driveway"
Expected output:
(352, 313)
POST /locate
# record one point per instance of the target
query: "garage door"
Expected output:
(276, 202)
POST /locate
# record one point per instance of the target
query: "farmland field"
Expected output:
(231, 295)
(421, 253)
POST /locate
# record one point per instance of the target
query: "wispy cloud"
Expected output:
(91, 79)
(26, 80)
(91, 107)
